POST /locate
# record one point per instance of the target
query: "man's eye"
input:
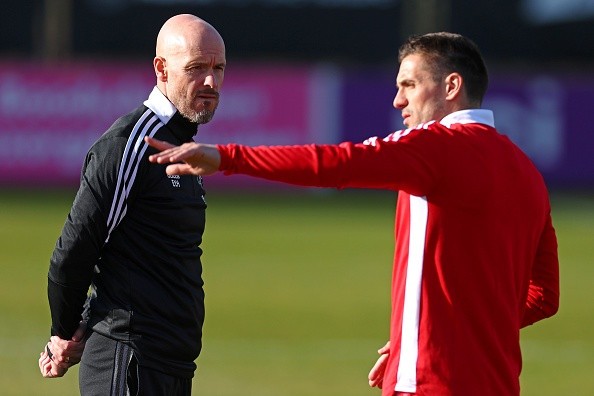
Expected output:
(196, 68)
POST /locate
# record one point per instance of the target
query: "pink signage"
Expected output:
(260, 105)
(268, 105)
(51, 114)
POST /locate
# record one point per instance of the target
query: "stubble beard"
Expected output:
(185, 109)
(200, 117)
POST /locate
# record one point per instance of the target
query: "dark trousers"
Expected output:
(110, 368)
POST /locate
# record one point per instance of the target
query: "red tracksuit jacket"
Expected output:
(475, 250)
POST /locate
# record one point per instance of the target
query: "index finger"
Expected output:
(158, 144)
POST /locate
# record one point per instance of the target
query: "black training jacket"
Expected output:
(133, 235)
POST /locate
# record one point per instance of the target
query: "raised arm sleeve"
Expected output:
(384, 165)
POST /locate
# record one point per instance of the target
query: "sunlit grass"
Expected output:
(297, 292)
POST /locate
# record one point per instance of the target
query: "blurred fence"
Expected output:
(50, 115)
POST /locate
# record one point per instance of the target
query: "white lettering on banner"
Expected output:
(26, 149)
(51, 115)
(536, 124)
(86, 96)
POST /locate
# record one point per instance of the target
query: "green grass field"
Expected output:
(297, 295)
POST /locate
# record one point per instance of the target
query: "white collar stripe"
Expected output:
(160, 105)
(469, 116)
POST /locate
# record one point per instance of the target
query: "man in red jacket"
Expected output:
(475, 250)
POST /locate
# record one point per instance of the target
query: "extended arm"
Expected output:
(385, 165)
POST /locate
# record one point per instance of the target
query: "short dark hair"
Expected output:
(448, 53)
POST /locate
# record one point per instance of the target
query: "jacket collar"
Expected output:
(168, 114)
(469, 116)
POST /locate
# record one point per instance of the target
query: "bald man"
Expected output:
(133, 237)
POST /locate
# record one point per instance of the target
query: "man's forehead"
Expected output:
(199, 52)
(206, 55)
(412, 67)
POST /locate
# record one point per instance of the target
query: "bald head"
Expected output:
(182, 32)
(189, 64)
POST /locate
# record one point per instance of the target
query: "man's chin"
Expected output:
(202, 117)
(204, 120)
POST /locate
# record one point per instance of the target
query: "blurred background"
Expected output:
(299, 71)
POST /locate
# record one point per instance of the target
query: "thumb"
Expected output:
(182, 169)
(384, 349)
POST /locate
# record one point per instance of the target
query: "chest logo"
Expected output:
(174, 180)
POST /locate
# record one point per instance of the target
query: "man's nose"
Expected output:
(399, 101)
(211, 81)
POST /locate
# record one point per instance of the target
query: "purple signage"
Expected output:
(548, 116)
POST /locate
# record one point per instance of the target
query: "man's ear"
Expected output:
(160, 66)
(453, 86)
